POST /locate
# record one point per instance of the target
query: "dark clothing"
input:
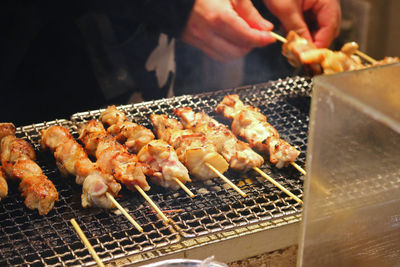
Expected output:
(62, 57)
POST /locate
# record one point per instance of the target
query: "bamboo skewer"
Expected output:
(278, 37)
(365, 56)
(126, 214)
(269, 178)
(148, 199)
(86, 242)
(183, 186)
(243, 194)
(300, 169)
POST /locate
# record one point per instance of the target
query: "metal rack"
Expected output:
(33, 240)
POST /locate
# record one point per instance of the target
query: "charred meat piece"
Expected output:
(238, 154)
(72, 160)
(17, 159)
(112, 157)
(133, 135)
(252, 126)
(193, 150)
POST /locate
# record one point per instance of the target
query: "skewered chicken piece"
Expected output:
(159, 155)
(301, 52)
(239, 154)
(193, 149)
(133, 135)
(252, 126)
(164, 161)
(386, 60)
(112, 157)
(3, 185)
(321, 60)
(17, 159)
(71, 159)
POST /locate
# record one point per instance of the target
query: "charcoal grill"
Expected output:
(33, 240)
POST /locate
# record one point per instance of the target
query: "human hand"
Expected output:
(226, 29)
(294, 15)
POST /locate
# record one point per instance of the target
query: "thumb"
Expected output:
(246, 10)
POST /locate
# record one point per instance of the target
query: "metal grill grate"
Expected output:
(30, 239)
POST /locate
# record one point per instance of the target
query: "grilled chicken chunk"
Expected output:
(300, 52)
(157, 154)
(3, 185)
(133, 135)
(239, 154)
(17, 159)
(112, 157)
(193, 150)
(163, 160)
(252, 126)
(72, 160)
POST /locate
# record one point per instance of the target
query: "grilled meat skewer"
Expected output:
(252, 126)
(133, 135)
(157, 154)
(300, 52)
(112, 157)
(17, 159)
(71, 159)
(239, 154)
(193, 149)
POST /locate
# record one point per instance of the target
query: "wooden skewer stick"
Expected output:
(183, 186)
(126, 214)
(300, 169)
(86, 242)
(269, 178)
(155, 207)
(243, 194)
(358, 52)
(278, 37)
(365, 56)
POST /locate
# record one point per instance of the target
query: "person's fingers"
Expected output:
(324, 36)
(290, 15)
(246, 10)
(236, 30)
(328, 16)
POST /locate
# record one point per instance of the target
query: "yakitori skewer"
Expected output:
(72, 160)
(300, 52)
(98, 188)
(114, 159)
(161, 158)
(85, 241)
(193, 148)
(18, 162)
(355, 51)
(218, 134)
(251, 125)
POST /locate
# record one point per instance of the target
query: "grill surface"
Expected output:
(30, 239)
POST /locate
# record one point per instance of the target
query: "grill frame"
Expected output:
(215, 209)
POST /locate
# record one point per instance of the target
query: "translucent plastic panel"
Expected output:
(351, 213)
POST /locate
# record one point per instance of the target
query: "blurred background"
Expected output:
(71, 56)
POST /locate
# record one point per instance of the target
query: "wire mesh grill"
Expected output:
(30, 239)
